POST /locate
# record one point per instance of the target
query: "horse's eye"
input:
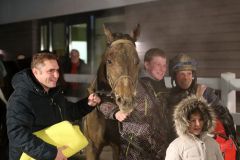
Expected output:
(136, 61)
(109, 61)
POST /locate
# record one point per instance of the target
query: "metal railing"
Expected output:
(227, 84)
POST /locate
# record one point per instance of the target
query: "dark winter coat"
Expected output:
(66, 66)
(31, 109)
(75, 89)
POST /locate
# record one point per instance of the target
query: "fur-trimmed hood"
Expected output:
(184, 108)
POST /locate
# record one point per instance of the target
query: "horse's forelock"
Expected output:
(117, 36)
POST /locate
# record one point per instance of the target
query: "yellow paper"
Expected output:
(62, 134)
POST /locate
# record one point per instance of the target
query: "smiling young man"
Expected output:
(37, 103)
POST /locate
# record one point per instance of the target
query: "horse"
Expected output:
(116, 81)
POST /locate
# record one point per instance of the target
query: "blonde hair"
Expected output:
(153, 52)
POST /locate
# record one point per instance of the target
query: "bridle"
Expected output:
(112, 83)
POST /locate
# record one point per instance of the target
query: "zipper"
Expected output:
(59, 108)
(60, 111)
(53, 103)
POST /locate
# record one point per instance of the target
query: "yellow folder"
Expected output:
(62, 134)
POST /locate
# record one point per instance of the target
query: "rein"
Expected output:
(99, 92)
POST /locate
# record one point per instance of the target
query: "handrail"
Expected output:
(227, 84)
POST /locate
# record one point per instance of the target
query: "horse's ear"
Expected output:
(108, 34)
(136, 32)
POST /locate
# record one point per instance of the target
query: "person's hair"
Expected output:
(153, 52)
(39, 58)
(194, 111)
(74, 50)
(201, 110)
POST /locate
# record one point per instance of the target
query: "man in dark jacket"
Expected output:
(182, 69)
(36, 103)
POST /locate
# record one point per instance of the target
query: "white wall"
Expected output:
(21, 10)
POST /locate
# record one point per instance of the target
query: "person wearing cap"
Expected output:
(194, 119)
(183, 72)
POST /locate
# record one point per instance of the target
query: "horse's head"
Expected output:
(118, 72)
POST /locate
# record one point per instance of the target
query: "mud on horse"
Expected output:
(116, 81)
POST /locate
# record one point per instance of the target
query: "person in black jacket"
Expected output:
(73, 64)
(36, 103)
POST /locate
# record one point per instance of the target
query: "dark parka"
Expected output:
(74, 89)
(66, 66)
(31, 109)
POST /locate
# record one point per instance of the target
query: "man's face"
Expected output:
(74, 56)
(47, 74)
(196, 124)
(156, 67)
(184, 79)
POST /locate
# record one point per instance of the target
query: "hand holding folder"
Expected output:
(62, 134)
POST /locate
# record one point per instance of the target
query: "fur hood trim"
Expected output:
(184, 108)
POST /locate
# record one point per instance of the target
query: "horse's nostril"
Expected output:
(123, 101)
(118, 99)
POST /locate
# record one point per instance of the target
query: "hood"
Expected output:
(25, 80)
(184, 108)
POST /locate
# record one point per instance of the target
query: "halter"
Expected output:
(114, 83)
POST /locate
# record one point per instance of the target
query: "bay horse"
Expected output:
(116, 81)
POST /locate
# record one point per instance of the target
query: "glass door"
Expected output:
(78, 40)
